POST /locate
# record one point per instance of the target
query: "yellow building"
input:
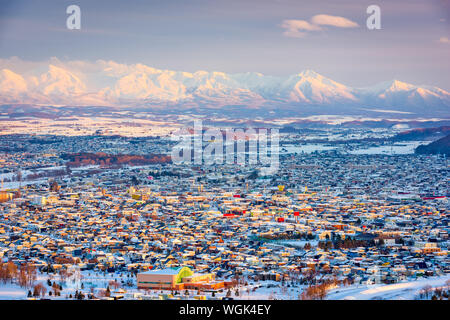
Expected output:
(171, 278)
(162, 279)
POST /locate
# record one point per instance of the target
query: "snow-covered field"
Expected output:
(397, 148)
(75, 126)
(25, 181)
(12, 292)
(97, 281)
(399, 291)
(267, 290)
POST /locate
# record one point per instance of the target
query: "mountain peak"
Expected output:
(11, 82)
(138, 84)
(389, 86)
(308, 73)
(398, 85)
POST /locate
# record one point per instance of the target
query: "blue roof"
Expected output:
(167, 271)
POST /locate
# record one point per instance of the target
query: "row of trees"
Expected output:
(36, 175)
(319, 291)
(24, 275)
(103, 159)
(439, 293)
(347, 243)
(290, 236)
(39, 290)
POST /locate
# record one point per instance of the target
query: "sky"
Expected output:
(274, 37)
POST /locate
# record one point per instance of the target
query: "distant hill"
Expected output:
(422, 133)
(441, 146)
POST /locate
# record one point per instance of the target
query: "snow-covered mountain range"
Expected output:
(111, 84)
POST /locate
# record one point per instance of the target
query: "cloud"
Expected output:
(334, 21)
(299, 28)
(444, 40)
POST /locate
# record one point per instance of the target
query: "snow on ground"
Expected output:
(297, 243)
(265, 293)
(307, 148)
(25, 174)
(397, 148)
(265, 290)
(12, 292)
(97, 281)
(398, 291)
(16, 184)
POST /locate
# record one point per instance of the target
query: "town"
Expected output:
(84, 217)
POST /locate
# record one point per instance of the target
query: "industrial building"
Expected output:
(177, 279)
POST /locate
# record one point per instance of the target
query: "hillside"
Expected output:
(441, 146)
(422, 133)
